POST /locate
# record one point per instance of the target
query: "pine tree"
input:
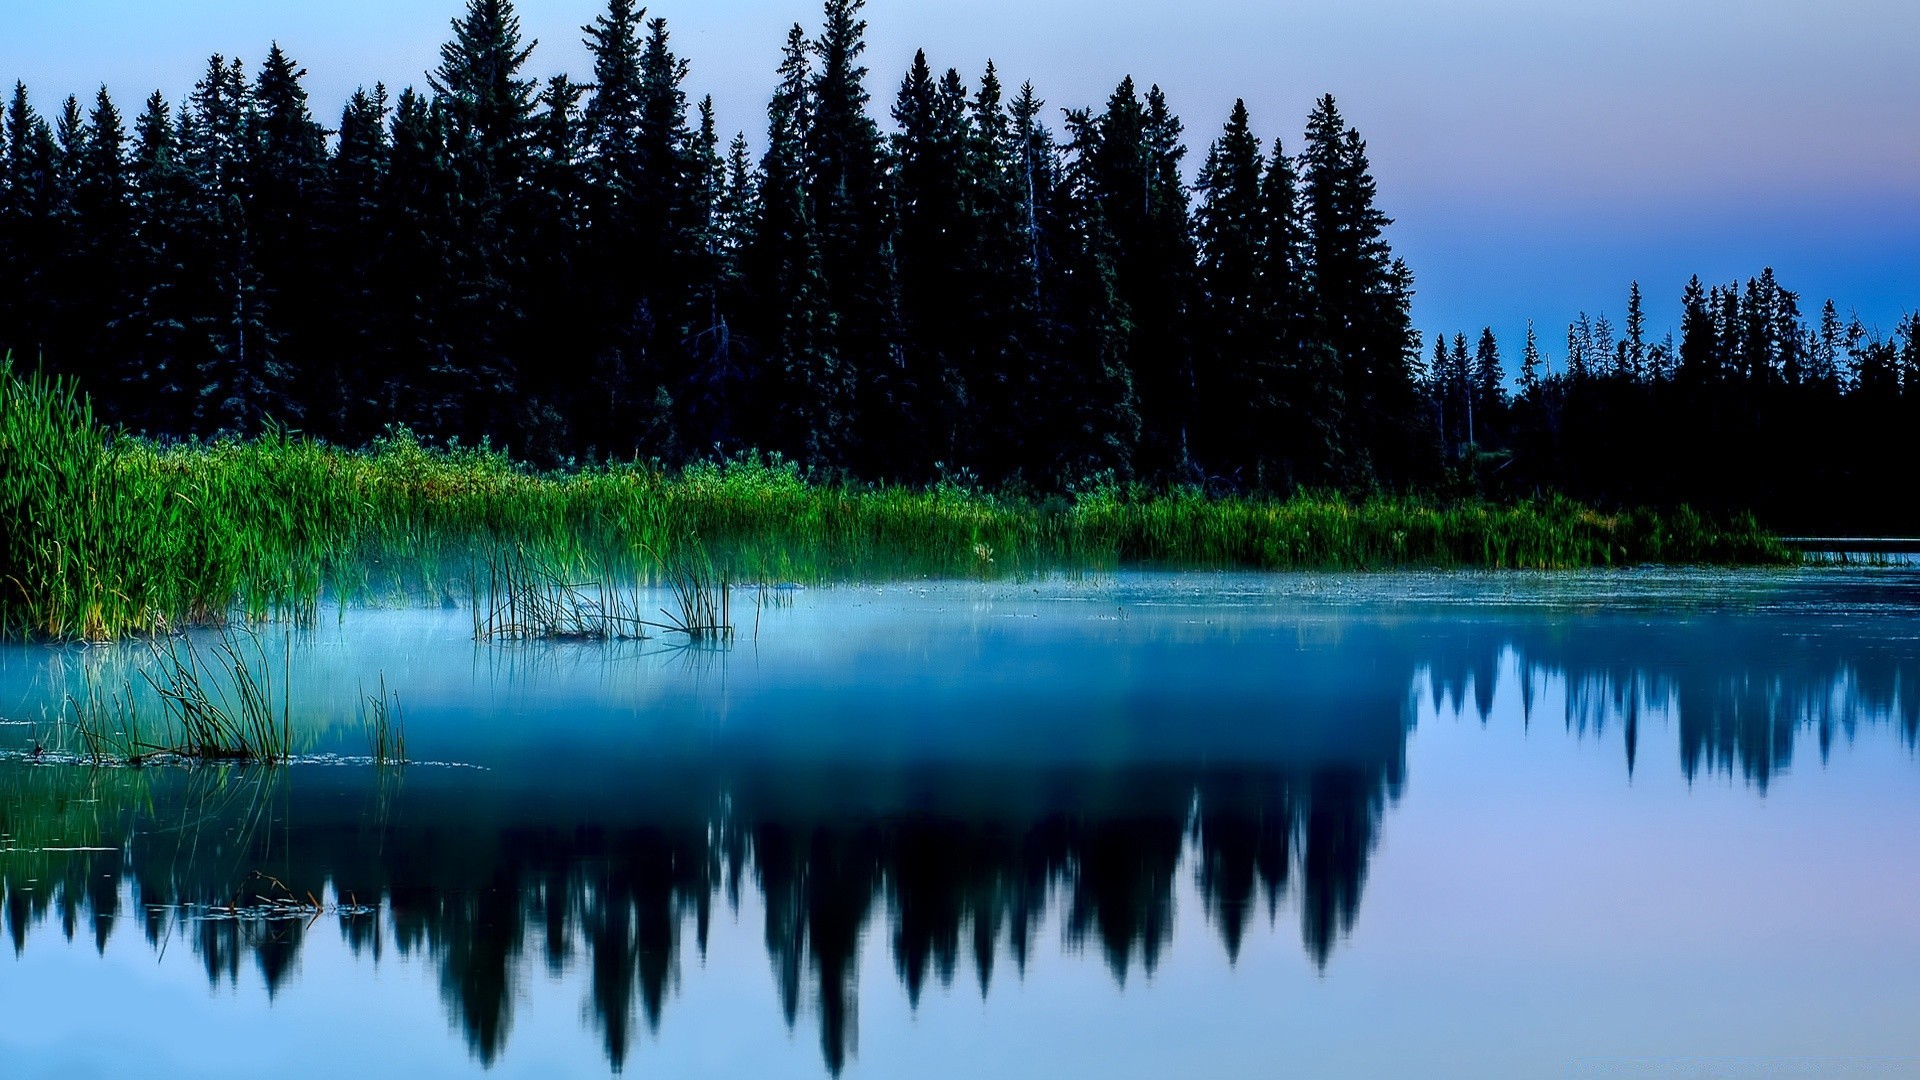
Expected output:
(1362, 297)
(1235, 368)
(802, 393)
(484, 110)
(28, 238)
(1530, 364)
(1129, 156)
(1602, 351)
(551, 237)
(489, 106)
(153, 331)
(1003, 330)
(1489, 387)
(1699, 338)
(286, 183)
(241, 381)
(1096, 416)
(846, 190)
(1823, 365)
(427, 258)
(106, 252)
(1460, 384)
(934, 182)
(355, 222)
(1635, 354)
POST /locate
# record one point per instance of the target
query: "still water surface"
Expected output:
(1632, 824)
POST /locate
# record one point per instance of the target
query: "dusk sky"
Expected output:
(1538, 154)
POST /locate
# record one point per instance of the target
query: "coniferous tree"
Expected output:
(1699, 344)
(241, 381)
(286, 177)
(1489, 387)
(720, 382)
(550, 231)
(424, 223)
(1635, 354)
(105, 254)
(1098, 419)
(484, 111)
(845, 174)
(359, 352)
(1823, 365)
(933, 193)
(1530, 364)
(803, 391)
(27, 224)
(1361, 302)
(1236, 365)
(1002, 327)
(1129, 158)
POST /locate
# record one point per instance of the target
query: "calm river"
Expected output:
(1648, 824)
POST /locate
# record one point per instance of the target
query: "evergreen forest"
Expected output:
(958, 282)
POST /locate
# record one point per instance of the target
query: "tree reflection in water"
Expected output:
(962, 864)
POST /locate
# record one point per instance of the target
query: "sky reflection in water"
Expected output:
(1479, 825)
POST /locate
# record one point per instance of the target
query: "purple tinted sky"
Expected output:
(1539, 154)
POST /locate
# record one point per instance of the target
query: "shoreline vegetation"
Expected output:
(104, 536)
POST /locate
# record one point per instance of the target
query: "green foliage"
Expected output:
(102, 538)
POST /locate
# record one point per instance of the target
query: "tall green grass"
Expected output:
(103, 536)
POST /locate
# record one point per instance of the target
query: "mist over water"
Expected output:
(1395, 825)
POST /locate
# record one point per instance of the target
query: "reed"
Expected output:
(515, 596)
(105, 536)
(217, 705)
(385, 724)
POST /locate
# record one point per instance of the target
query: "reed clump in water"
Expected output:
(703, 599)
(102, 537)
(385, 724)
(515, 596)
(217, 705)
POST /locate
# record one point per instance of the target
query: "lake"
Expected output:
(1646, 823)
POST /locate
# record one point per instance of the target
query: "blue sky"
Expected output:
(1539, 154)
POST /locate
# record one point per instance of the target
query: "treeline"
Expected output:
(1806, 421)
(589, 272)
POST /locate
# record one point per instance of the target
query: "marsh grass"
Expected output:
(218, 704)
(702, 598)
(515, 596)
(104, 536)
(385, 724)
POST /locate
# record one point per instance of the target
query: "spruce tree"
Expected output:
(1097, 414)
(1236, 365)
(1635, 355)
(27, 233)
(1362, 296)
(107, 252)
(485, 111)
(934, 187)
(241, 381)
(355, 223)
(1530, 364)
(153, 331)
(286, 185)
(802, 393)
(846, 190)
(1489, 388)
(1699, 340)
(1005, 341)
